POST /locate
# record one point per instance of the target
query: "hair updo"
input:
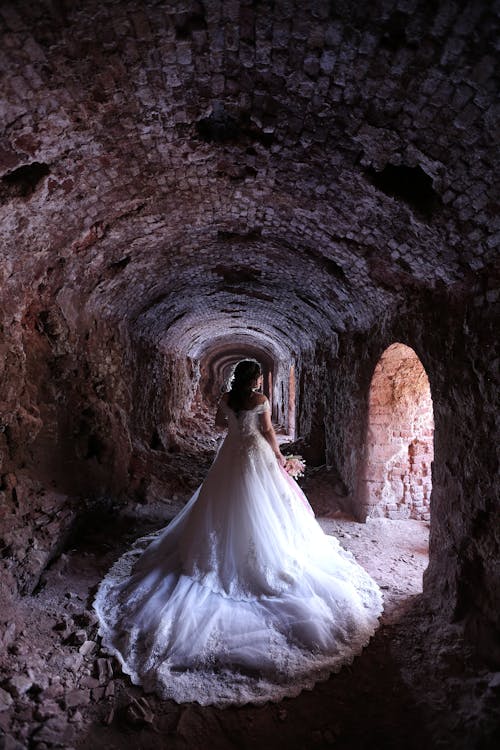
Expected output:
(243, 380)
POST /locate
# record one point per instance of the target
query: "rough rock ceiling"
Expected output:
(218, 167)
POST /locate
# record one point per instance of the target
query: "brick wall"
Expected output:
(400, 437)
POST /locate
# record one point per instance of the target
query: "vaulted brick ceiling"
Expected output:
(202, 170)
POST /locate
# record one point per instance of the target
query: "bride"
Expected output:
(242, 597)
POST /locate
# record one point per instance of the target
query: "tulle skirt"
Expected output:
(242, 597)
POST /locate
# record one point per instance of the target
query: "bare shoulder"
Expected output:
(259, 398)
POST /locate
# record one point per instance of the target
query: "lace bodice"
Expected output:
(244, 431)
(247, 421)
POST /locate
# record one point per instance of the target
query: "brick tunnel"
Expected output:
(184, 184)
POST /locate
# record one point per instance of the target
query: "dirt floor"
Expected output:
(414, 685)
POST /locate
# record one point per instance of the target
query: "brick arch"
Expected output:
(400, 445)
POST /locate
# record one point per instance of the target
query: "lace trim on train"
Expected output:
(209, 682)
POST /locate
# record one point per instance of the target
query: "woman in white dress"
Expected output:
(242, 597)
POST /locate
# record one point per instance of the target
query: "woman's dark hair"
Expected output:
(243, 380)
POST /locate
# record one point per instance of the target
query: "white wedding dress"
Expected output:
(242, 597)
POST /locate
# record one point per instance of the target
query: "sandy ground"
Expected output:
(407, 689)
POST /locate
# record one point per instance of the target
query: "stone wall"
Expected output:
(454, 337)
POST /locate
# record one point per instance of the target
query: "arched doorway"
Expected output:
(400, 445)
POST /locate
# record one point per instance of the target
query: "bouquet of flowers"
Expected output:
(295, 466)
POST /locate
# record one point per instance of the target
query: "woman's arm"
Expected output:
(267, 429)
